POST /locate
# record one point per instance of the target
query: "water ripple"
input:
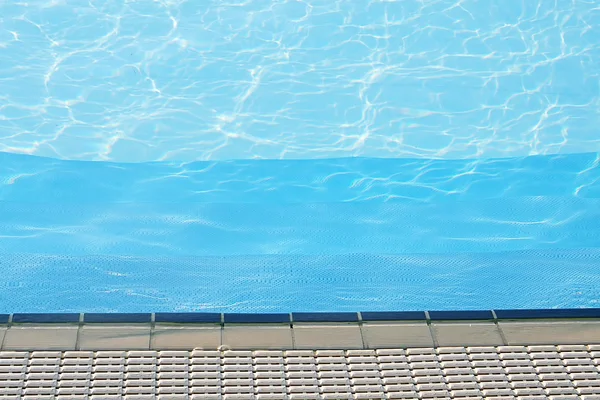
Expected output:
(181, 80)
(226, 229)
(27, 179)
(563, 278)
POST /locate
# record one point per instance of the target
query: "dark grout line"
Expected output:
(360, 329)
(502, 336)
(79, 328)
(433, 338)
(293, 337)
(152, 326)
(221, 333)
(6, 332)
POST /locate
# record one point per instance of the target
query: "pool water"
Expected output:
(299, 155)
(125, 81)
(281, 235)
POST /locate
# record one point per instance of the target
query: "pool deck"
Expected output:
(509, 354)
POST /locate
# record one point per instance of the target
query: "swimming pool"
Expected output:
(299, 156)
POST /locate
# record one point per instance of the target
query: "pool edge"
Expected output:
(280, 331)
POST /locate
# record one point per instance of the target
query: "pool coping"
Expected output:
(284, 331)
(302, 317)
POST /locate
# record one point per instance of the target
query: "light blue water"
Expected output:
(239, 79)
(299, 156)
(281, 235)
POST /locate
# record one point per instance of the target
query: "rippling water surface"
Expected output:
(280, 235)
(186, 80)
(299, 155)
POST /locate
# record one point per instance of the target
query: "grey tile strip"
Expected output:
(541, 331)
(517, 332)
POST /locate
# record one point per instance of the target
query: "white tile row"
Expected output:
(502, 372)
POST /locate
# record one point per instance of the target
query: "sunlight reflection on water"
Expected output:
(182, 80)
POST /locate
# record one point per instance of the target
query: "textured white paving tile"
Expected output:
(173, 374)
(13, 369)
(140, 375)
(476, 372)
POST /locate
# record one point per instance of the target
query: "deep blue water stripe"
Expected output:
(457, 315)
(189, 318)
(325, 317)
(45, 318)
(116, 318)
(393, 316)
(256, 318)
(267, 318)
(549, 313)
